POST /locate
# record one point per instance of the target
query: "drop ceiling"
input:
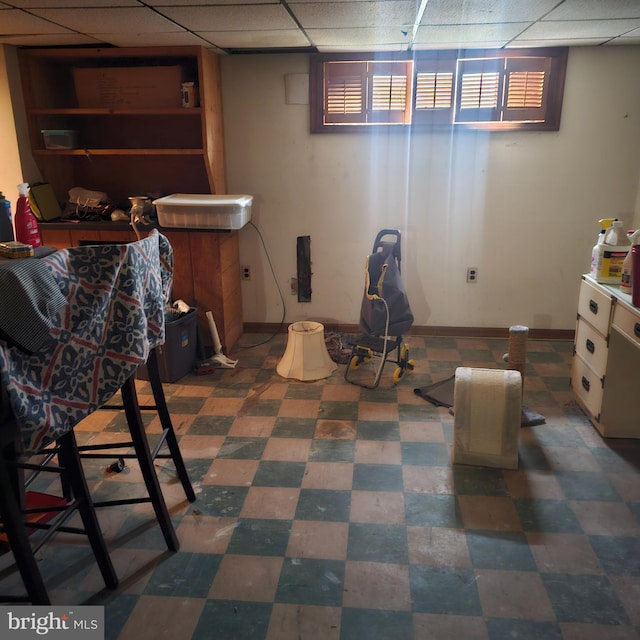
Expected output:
(237, 26)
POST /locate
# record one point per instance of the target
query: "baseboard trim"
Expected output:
(444, 332)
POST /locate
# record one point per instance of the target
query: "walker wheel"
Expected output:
(398, 374)
(360, 355)
(411, 365)
(357, 360)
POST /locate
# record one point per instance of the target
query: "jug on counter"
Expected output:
(25, 222)
(608, 256)
(626, 280)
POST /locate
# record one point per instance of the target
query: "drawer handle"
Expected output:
(585, 383)
(590, 346)
(636, 329)
(593, 306)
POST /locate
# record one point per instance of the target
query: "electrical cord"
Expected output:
(239, 347)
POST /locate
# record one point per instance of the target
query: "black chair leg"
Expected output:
(70, 460)
(145, 459)
(167, 425)
(17, 536)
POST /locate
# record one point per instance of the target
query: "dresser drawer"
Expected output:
(591, 346)
(594, 305)
(587, 386)
(628, 323)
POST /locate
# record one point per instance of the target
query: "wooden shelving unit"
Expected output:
(129, 151)
(126, 151)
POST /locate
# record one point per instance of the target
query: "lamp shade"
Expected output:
(306, 357)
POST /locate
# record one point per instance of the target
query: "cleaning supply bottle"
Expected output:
(26, 224)
(605, 223)
(6, 228)
(595, 252)
(612, 252)
(626, 281)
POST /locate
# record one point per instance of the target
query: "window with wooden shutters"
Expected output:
(479, 90)
(509, 89)
(527, 80)
(389, 85)
(490, 89)
(345, 92)
(433, 96)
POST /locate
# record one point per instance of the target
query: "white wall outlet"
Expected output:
(472, 274)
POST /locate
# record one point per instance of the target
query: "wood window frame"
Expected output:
(528, 86)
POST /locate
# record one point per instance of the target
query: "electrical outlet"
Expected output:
(472, 274)
(246, 272)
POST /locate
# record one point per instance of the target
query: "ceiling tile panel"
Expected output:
(557, 42)
(579, 29)
(357, 38)
(14, 22)
(470, 33)
(328, 15)
(595, 10)
(485, 11)
(173, 39)
(119, 19)
(72, 4)
(205, 3)
(631, 35)
(277, 39)
(67, 39)
(231, 17)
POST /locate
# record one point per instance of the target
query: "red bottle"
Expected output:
(635, 278)
(26, 224)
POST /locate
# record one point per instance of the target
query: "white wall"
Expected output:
(521, 207)
(17, 164)
(10, 171)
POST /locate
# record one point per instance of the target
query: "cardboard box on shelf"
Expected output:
(128, 87)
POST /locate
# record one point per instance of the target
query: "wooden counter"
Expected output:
(206, 268)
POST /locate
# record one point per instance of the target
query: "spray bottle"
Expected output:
(605, 223)
(26, 224)
(6, 228)
(626, 282)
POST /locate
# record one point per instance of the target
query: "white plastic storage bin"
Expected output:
(204, 211)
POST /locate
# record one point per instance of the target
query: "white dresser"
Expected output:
(605, 374)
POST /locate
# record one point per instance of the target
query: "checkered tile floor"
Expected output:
(329, 511)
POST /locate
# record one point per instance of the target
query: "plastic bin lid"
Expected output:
(199, 199)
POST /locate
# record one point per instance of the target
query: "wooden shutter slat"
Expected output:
(434, 90)
(389, 92)
(344, 101)
(526, 82)
(479, 90)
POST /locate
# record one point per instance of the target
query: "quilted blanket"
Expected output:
(116, 297)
